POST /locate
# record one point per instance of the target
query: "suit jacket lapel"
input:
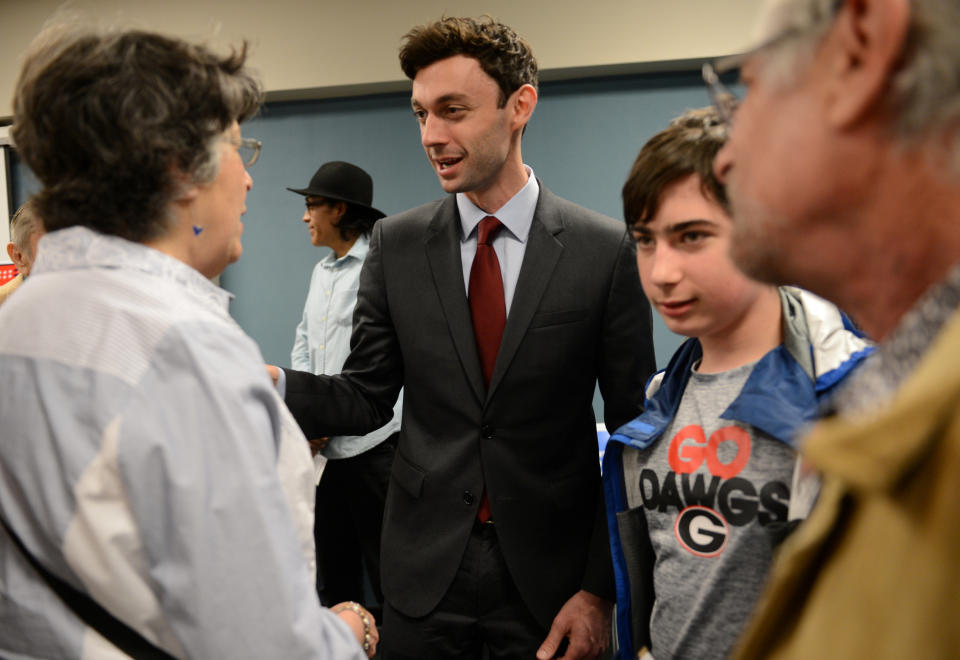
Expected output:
(539, 259)
(443, 255)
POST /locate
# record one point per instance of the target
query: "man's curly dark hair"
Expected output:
(502, 55)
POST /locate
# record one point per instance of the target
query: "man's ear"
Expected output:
(340, 208)
(522, 102)
(16, 256)
(863, 49)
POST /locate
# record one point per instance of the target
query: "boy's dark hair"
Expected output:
(688, 146)
(115, 124)
(502, 55)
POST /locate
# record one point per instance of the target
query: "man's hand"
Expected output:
(585, 621)
(317, 445)
(273, 372)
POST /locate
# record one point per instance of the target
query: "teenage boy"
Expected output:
(699, 486)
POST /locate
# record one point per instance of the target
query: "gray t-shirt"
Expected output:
(708, 487)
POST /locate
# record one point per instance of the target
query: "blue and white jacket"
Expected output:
(782, 395)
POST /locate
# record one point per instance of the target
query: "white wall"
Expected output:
(324, 48)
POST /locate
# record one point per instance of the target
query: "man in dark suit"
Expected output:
(494, 534)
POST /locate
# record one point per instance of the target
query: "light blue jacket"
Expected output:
(147, 461)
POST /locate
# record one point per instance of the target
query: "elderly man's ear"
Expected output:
(17, 257)
(866, 43)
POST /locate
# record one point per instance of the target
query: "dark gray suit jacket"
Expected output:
(578, 315)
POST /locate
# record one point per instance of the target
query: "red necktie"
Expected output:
(489, 311)
(487, 306)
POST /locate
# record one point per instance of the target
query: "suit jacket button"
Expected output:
(486, 431)
(467, 497)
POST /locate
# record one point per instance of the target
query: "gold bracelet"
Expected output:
(357, 609)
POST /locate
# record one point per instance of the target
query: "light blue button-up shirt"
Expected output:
(510, 245)
(322, 341)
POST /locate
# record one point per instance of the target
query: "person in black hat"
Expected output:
(350, 496)
(338, 206)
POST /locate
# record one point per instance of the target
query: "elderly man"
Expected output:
(25, 230)
(842, 169)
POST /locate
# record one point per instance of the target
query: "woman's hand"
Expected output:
(361, 622)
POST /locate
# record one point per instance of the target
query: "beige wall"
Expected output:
(318, 48)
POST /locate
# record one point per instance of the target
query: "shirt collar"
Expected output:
(80, 247)
(358, 250)
(878, 379)
(516, 215)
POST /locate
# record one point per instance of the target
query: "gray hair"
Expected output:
(24, 224)
(808, 20)
(924, 94)
(115, 123)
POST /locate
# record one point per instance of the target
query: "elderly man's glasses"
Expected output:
(249, 150)
(724, 100)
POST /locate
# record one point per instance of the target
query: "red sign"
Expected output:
(7, 273)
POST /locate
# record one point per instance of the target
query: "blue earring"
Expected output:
(197, 229)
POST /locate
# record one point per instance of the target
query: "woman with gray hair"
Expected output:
(156, 495)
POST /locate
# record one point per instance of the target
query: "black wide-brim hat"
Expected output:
(344, 182)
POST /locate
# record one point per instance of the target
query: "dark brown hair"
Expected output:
(115, 124)
(688, 146)
(356, 220)
(502, 55)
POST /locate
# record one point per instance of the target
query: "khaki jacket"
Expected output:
(875, 571)
(10, 287)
